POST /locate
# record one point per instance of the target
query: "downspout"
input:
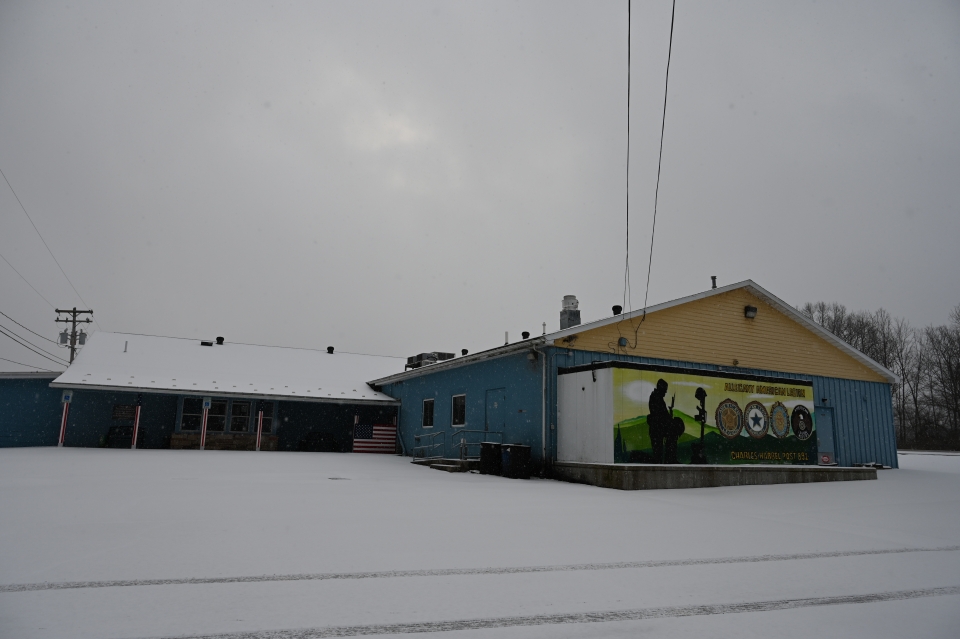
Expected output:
(543, 406)
(553, 369)
(543, 411)
(403, 451)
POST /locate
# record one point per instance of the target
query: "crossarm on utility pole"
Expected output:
(73, 321)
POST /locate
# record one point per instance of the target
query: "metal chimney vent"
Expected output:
(570, 315)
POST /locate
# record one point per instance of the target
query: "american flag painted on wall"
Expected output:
(375, 438)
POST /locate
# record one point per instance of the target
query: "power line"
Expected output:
(12, 332)
(52, 341)
(663, 125)
(626, 267)
(42, 240)
(35, 352)
(27, 365)
(626, 275)
(25, 280)
(28, 343)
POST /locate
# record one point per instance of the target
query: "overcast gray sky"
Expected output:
(396, 177)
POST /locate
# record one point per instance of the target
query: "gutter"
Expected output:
(543, 409)
(253, 396)
(31, 375)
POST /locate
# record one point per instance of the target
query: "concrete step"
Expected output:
(450, 468)
(450, 465)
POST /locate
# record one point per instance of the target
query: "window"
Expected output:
(239, 417)
(459, 410)
(217, 415)
(427, 413)
(192, 414)
(267, 417)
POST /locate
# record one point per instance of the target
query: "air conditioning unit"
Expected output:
(424, 359)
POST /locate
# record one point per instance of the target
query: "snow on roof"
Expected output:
(146, 363)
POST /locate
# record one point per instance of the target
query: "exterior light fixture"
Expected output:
(749, 312)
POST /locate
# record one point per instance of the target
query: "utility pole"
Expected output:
(73, 321)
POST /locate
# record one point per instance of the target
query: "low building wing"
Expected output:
(150, 364)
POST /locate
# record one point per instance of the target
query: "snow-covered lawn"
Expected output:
(90, 515)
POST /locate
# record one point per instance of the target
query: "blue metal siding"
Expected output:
(91, 416)
(516, 373)
(863, 411)
(295, 420)
(30, 412)
(863, 419)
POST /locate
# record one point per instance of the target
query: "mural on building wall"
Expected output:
(682, 418)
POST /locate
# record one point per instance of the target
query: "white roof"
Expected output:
(146, 363)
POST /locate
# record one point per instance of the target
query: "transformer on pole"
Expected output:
(72, 335)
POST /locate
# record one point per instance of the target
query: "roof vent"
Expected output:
(219, 341)
(330, 349)
(206, 343)
(713, 278)
(570, 315)
(464, 352)
(617, 309)
(424, 359)
(525, 334)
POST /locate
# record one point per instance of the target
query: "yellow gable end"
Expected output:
(714, 330)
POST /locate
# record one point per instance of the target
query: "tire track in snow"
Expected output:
(445, 572)
(578, 618)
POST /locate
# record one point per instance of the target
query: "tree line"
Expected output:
(926, 402)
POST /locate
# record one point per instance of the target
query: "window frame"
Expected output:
(183, 414)
(251, 406)
(269, 416)
(226, 401)
(453, 409)
(433, 412)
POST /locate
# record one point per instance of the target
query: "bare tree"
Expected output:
(944, 352)
(926, 402)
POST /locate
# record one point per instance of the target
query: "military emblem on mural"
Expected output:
(729, 418)
(757, 420)
(802, 423)
(779, 421)
(663, 416)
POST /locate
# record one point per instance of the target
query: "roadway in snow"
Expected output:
(117, 543)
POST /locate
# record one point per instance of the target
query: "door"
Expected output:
(496, 413)
(824, 425)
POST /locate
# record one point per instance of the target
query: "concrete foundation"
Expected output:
(655, 476)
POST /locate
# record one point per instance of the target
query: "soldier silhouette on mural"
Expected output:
(698, 449)
(664, 428)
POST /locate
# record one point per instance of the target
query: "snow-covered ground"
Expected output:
(699, 563)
